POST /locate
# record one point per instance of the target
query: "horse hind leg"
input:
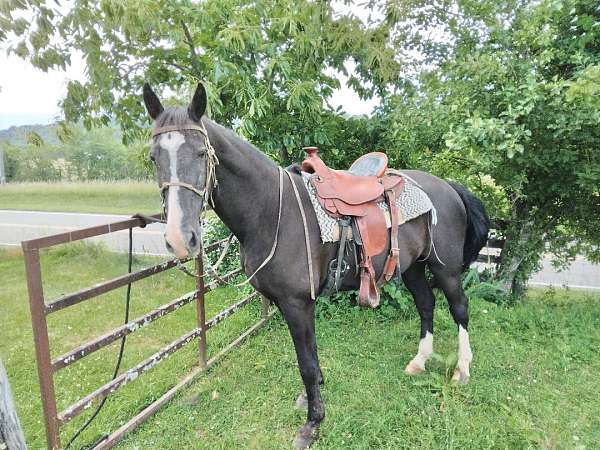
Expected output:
(451, 284)
(416, 282)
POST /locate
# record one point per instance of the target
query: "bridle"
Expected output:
(206, 193)
(211, 163)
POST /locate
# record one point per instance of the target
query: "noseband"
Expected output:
(211, 163)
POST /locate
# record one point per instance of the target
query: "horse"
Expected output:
(199, 161)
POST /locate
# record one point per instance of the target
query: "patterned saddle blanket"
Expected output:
(412, 202)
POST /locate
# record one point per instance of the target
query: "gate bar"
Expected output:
(123, 280)
(106, 339)
(83, 233)
(106, 286)
(126, 377)
(42, 345)
(146, 413)
(102, 341)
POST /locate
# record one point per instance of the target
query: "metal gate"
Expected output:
(47, 366)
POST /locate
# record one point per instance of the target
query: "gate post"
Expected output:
(264, 307)
(42, 345)
(200, 309)
(11, 434)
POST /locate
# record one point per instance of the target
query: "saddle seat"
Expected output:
(356, 193)
(343, 192)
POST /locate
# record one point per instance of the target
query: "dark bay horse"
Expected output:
(197, 159)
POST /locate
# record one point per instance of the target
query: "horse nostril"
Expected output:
(169, 246)
(193, 240)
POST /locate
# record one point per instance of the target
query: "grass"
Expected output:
(534, 379)
(114, 197)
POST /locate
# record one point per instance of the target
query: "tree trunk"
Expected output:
(11, 434)
(284, 156)
(511, 259)
(521, 252)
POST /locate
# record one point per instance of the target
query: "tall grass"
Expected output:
(114, 197)
(534, 378)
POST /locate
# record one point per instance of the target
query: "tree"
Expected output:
(269, 66)
(513, 91)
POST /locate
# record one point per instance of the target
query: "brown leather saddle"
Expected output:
(355, 194)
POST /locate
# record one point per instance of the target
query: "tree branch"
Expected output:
(182, 68)
(193, 55)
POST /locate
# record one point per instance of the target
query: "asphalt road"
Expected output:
(16, 226)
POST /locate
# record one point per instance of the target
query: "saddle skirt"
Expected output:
(345, 194)
(411, 203)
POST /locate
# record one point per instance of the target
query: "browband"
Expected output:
(168, 128)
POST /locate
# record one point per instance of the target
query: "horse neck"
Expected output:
(246, 197)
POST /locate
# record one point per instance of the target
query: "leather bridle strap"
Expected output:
(211, 162)
(276, 238)
(166, 185)
(169, 128)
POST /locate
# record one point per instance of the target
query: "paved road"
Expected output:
(16, 226)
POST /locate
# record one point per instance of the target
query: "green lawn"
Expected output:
(534, 378)
(115, 197)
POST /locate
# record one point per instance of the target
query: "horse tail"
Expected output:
(478, 224)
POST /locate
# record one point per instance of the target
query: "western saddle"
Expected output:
(354, 195)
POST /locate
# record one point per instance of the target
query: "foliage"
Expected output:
(77, 155)
(34, 163)
(480, 285)
(507, 104)
(214, 230)
(269, 66)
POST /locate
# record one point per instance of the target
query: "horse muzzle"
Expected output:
(183, 243)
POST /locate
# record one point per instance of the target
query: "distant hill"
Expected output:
(17, 135)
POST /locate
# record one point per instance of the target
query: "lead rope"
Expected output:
(119, 358)
(272, 252)
(185, 270)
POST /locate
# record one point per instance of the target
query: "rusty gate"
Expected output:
(47, 366)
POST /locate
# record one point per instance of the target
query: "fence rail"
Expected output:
(47, 366)
(490, 254)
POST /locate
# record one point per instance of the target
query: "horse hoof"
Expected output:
(459, 378)
(307, 435)
(413, 369)
(302, 402)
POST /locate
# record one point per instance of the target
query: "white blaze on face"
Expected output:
(425, 351)
(464, 351)
(172, 142)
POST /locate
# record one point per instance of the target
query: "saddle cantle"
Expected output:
(356, 193)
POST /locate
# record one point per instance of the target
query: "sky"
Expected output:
(31, 96)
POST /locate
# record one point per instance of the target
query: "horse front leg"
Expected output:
(300, 318)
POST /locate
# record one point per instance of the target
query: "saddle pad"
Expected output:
(412, 202)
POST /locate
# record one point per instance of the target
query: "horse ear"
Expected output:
(153, 105)
(198, 106)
